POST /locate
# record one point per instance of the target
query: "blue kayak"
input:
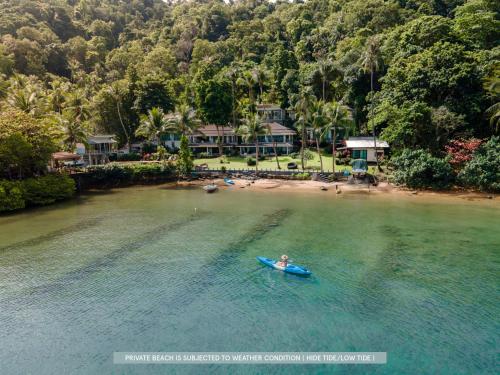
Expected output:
(228, 181)
(291, 268)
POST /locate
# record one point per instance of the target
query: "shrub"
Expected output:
(251, 161)
(114, 174)
(483, 170)
(419, 169)
(11, 195)
(301, 176)
(132, 156)
(295, 155)
(48, 189)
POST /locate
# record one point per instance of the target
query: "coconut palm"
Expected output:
(114, 91)
(302, 108)
(371, 61)
(338, 116)
(152, 125)
(77, 106)
(259, 75)
(73, 131)
(269, 131)
(251, 128)
(319, 121)
(232, 74)
(247, 80)
(183, 120)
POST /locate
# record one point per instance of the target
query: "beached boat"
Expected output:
(228, 181)
(290, 268)
(210, 188)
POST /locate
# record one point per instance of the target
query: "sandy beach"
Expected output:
(338, 188)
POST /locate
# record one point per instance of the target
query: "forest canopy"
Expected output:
(99, 65)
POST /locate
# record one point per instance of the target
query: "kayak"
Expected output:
(291, 268)
(228, 181)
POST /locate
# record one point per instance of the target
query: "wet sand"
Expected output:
(339, 188)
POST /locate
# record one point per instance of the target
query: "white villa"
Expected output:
(97, 150)
(364, 148)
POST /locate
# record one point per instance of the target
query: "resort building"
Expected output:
(279, 137)
(274, 113)
(97, 150)
(364, 148)
(205, 139)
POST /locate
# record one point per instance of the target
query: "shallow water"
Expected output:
(157, 269)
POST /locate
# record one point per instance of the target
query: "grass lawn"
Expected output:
(238, 162)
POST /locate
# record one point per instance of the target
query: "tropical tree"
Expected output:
(73, 131)
(183, 120)
(370, 61)
(252, 127)
(152, 125)
(338, 116)
(259, 75)
(319, 121)
(115, 92)
(269, 131)
(302, 108)
(247, 79)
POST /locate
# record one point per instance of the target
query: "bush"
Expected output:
(251, 161)
(132, 156)
(295, 155)
(11, 195)
(301, 176)
(419, 169)
(48, 189)
(114, 174)
(483, 170)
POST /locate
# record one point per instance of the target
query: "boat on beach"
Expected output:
(228, 181)
(210, 188)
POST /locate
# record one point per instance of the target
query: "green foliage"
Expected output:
(11, 195)
(419, 169)
(115, 174)
(214, 101)
(26, 144)
(251, 162)
(185, 161)
(39, 191)
(483, 171)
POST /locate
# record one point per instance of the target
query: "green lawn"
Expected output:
(238, 162)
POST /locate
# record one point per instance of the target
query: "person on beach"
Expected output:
(284, 261)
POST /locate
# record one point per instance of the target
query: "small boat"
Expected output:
(228, 181)
(291, 268)
(210, 188)
(324, 188)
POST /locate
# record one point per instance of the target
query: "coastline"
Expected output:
(336, 188)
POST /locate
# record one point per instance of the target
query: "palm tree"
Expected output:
(250, 130)
(152, 125)
(259, 75)
(73, 131)
(247, 80)
(269, 130)
(183, 120)
(370, 61)
(77, 106)
(232, 74)
(323, 69)
(115, 93)
(338, 115)
(319, 120)
(302, 109)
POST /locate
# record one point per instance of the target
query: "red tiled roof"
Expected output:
(278, 129)
(211, 131)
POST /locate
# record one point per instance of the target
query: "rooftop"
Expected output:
(365, 142)
(211, 131)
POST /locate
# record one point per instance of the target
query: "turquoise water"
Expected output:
(159, 269)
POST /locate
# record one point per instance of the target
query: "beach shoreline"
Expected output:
(336, 188)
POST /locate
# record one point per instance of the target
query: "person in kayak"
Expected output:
(283, 262)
